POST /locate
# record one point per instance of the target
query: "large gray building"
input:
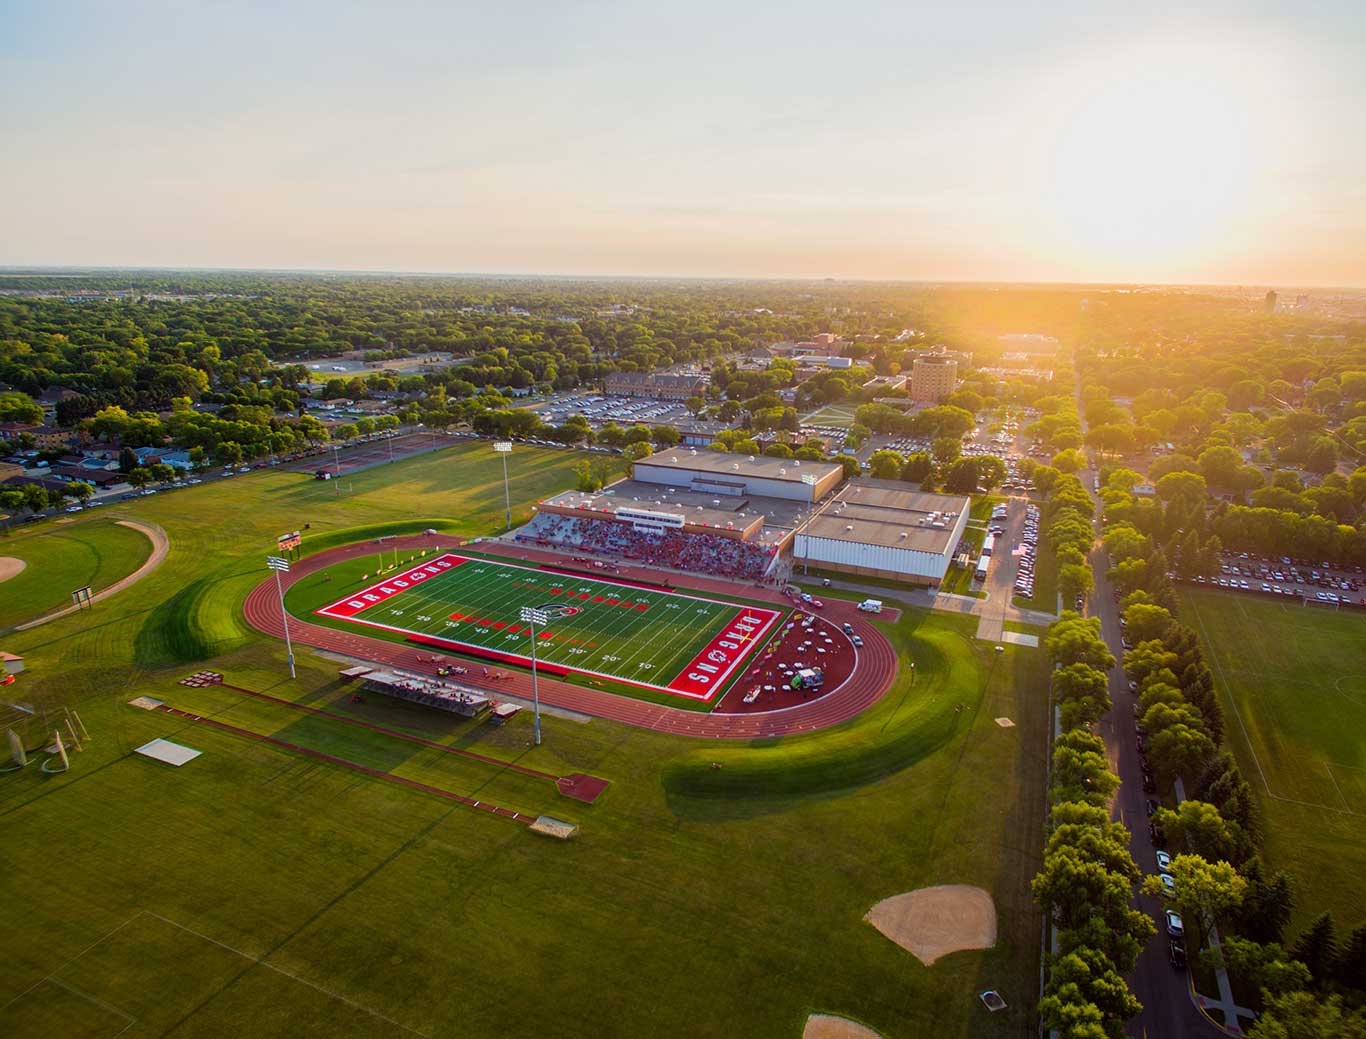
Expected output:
(882, 529)
(719, 473)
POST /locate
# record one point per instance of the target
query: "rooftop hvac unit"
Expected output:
(751, 458)
(735, 466)
(849, 528)
(673, 459)
(782, 471)
(905, 534)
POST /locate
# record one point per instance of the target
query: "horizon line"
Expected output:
(13, 269)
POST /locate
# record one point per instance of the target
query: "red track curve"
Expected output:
(871, 679)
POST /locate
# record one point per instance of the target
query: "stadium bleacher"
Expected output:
(675, 550)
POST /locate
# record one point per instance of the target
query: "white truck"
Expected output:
(871, 606)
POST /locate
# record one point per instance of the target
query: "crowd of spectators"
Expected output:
(672, 549)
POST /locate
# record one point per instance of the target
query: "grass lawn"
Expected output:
(62, 557)
(1293, 680)
(260, 892)
(833, 415)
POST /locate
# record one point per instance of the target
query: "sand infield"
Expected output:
(11, 567)
(934, 921)
(828, 1026)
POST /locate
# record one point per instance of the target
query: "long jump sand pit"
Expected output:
(828, 1026)
(934, 921)
(11, 567)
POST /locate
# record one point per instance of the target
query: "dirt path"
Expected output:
(11, 567)
(160, 546)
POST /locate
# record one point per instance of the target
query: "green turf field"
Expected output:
(1294, 686)
(63, 557)
(258, 892)
(682, 644)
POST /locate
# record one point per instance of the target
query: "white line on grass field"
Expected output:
(1346, 807)
(1247, 738)
(636, 640)
(281, 971)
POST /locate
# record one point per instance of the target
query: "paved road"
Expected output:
(1163, 990)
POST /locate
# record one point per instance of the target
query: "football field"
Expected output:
(673, 642)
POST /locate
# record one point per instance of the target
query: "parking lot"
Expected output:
(599, 410)
(1289, 578)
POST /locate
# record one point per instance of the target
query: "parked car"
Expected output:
(1164, 861)
(1168, 884)
(1175, 926)
(1176, 953)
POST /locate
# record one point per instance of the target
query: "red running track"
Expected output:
(872, 676)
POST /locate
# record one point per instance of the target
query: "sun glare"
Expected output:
(1157, 157)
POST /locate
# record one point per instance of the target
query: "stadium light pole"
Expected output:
(504, 448)
(810, 481)
(532, 616)
(280, 564)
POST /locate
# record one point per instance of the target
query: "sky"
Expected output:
(1051, 141)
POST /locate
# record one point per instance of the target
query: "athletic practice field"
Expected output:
(672, 642)
(1294, 682)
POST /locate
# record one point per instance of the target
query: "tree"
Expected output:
(991, 471)
(1083, 693)
(666, 436)
(1085, 975)
(1266, 906)
(1202, 890)
(1317, 948)
(1185, 488)
(1199, 825)
(961, 476)
(636, 451)
(919, 466)
(180, 380)
(1351, 970)
(1219, 465)
(139, 478)
(1299, 1015)
(78, 489)
(1123, 541)
(1075, 581)
(1267, 967)
(1080, 769)
(946, 449)
(1067, 461)
(1180, 749)
(695, 406)
(1145, 623)
(20, 407)
(1073, 639)
(885, 465)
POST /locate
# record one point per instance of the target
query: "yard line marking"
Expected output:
(97, 1001)
(280, 970)
(68, 963)
(1346, 807)
(666, 642)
